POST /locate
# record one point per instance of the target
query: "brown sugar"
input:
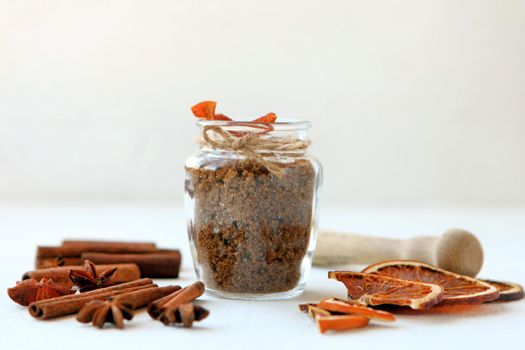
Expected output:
(251, 229)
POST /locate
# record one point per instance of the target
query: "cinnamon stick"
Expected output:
(158, 264)
(140, 298)
(124, 273)
(72, 303)
(74, 248)
(168, 304)
(43, 263)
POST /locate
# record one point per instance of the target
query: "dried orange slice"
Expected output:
(373, 289)
(313, 310)
(267, 118)
(457, 289)
(206, 110)
(508, 291)
(304, 307)
(346, 307)
(340, 322)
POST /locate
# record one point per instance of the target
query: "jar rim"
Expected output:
(285, 124)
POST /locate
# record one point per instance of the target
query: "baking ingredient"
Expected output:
(167, 306)
(88, 278)
(457, 289)
(251, 228)
(142, 297)
(352, 308)
(508, 291)
(185, 315)
(44, 263)
(340, 322)
(161, 264)
(373, 289)
(70, 304)
(74, 248)
(336, 314)
(60, 274)
(109, 311)
(145, 254)
(30, 290)
(313, 310)
(268, 118)
(206, 110)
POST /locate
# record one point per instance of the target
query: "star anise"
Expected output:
(30, 290)
(184, 315)
(88, 278)
(111, 310)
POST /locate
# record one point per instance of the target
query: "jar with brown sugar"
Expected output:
(251, 197)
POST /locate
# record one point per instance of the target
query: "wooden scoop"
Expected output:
(455, 250)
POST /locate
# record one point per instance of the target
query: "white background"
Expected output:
(411, 101)
(418, 112)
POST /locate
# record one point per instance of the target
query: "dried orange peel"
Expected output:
(508, 291)
(313, 310)
(347, 307)
(457, 289)
(337, 315)
(206, 110)
(373, 290)
(340, 322)
(268, 118)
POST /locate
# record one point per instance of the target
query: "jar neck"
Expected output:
(246, 137)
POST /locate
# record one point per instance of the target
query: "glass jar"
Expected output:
(251, 199)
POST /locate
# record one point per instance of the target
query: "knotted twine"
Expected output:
(249, 144)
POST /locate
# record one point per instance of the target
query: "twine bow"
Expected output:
(249, 144)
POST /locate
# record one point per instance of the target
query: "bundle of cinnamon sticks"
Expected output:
(170, 304)
(70, 304)
(178, 308)
(109, 287)
(152, 261)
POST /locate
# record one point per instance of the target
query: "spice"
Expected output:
(337, 315)
(251, 228)
(70, 304)
(88, 278)
(28, 291)
(457, 289)
(313, 310)
(206, 110)
(167, 306)
(373, 290)
(73, 248)
(116, 309)
(185, 315)
(347, 307)
(159, 264)
(152, 261)
(508, 291)
(101, 312)
(177, 308)
(43, 263)
(268, 118)
(340, 322)
(124, 273)
(143, 297)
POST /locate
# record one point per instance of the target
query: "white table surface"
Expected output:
(260, 325)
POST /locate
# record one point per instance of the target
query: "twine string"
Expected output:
(249, 144)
